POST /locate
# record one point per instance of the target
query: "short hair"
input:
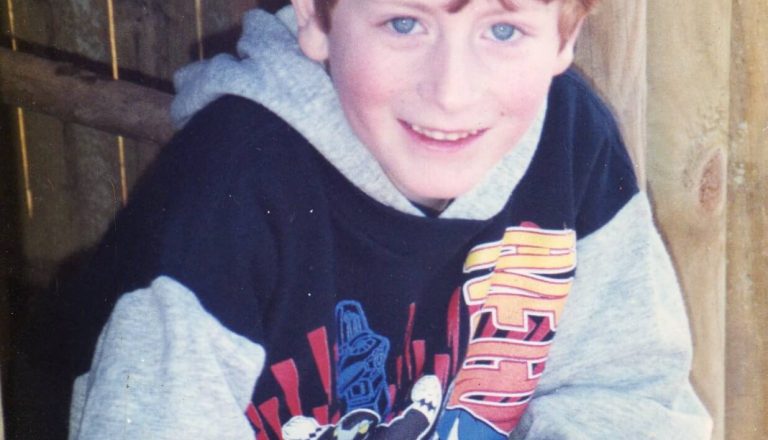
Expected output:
(573, 11)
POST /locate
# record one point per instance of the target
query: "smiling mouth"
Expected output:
(443, 136)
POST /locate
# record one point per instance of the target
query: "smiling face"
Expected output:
(438, 97)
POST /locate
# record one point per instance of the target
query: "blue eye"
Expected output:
(503, 31)
(403, 25)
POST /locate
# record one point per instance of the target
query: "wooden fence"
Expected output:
(84, 85)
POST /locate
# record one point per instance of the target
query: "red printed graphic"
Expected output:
(453, 321)
(269, 410)
(419, 352)
(514, 297)
(318, 342)
(407, 342)
(288, 377)
(320, 413)
(253, 416)
(442, 364)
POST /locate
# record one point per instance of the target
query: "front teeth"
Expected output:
(442, 135)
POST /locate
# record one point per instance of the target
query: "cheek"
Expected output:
(522, 92)
(363, 83)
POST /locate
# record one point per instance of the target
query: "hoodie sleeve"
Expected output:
(166, 369)
(619, 365)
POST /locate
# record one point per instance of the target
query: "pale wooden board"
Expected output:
(747, 347)
(74, 170)
(688, 105)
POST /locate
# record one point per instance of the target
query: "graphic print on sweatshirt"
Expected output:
(362, 391)
(514, 304)
(361, 370)
(513, 294)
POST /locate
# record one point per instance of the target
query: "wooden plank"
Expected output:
(76, 95)
(78, 28)
(612, 52)
(747, 348)
(33, 21)
(154, 38)
(688, 105)
(52, 234)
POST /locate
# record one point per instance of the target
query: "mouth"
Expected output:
(442, 138)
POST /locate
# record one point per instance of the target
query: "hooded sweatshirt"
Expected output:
(267, 280)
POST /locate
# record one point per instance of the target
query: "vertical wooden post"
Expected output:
(747, 343)
(612, 52)
(76, 170)
(688, 105)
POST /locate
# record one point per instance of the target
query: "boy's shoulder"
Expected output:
(572, 97)
(236, 133)
(579, 118)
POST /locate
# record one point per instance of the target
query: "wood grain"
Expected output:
(77, 95)
(50, 235)
(688, 105)
(747, 348)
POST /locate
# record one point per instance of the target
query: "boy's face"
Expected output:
(438, 97)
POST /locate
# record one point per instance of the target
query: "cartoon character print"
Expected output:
(363, 424)
(362, 377)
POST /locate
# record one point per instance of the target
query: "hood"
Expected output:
(271, 70)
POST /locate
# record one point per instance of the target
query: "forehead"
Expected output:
(512, 5)
(453, 6)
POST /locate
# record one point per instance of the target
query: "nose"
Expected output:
(451, 78)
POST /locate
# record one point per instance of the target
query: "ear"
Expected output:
(565, 57)
(313, 40)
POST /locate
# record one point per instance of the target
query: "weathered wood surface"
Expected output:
(612, 52)
(688, 105)
(747, 313)
(155, 37)
(63, 199)
(75, 95)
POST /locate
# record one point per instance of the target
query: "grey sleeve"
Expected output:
(619, 366)
(166, 369)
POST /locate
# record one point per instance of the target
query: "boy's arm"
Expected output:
(619, 365)
(164, 368)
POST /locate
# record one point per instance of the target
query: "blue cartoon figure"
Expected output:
(361, 376)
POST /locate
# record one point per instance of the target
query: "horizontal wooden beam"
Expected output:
(75, 95)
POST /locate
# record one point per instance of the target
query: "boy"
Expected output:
(370, 229)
